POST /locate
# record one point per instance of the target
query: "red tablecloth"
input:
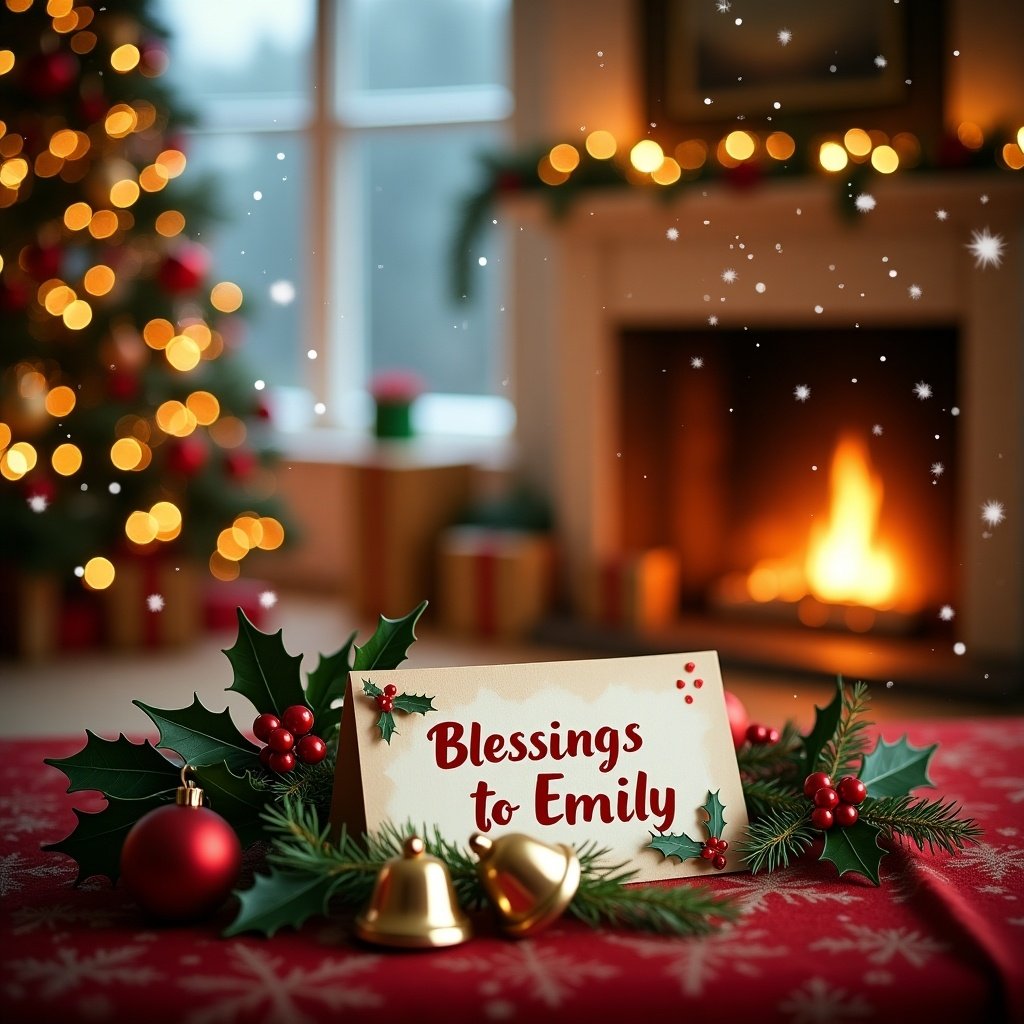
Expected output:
(941, 939)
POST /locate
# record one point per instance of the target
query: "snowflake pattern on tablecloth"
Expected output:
(534, 970)
(56, 917)
(26, 812)
(995, 862)
(15, 868)
(817, 1001)
(68, 969)
(1016, 785)
(753, 890)
(267, 988)
(881, 945)
(697, 963)
(909, 875)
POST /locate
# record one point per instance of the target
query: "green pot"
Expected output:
(393, 420)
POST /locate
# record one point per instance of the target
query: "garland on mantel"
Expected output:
(517, 173)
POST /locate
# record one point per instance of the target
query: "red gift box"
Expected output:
(638, 590)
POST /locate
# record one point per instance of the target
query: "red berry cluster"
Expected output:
(761, 735)
(288, 738)
(386, 701)
(834, 805)
(714, 851)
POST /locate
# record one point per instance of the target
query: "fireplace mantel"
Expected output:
(610, 264)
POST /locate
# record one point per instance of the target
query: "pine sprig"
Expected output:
(682, 910)
(849, 741)
(311, 783)
(776, 838)
(922, 821)
(757, 761)
(765, 795)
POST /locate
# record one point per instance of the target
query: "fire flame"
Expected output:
(844, 562)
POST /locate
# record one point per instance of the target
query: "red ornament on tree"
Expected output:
(240, 464)
(41, 261)
(738, 720)
(184, 269)
(180, 862)
(123, 385)
(50, 74)
(187, 456)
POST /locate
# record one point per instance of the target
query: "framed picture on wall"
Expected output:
(713, 62)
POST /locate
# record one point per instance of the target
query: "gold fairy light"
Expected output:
(182, 353)
(692, 154)
(126, 453)
(99, 279)
(60, 401)
(168, 520)
(251, 526)
(199, 332)
(146, 114)
(31, 383)
(228, 432)
(832, 156)
(66, 23)
(152, 178)
(646, 156)
(55, 296)
(11, 145)
(884, 159)
(66, 459)
(125, 58)
(157, 333)
(63, 142)
(204, 406)
(857, 142)
(175, 419)
(273, 533)
(548, 174)
(668, 173)
(601, 145)
(780, 145)
(83, 42)
(232, 544)
(81, 146)
(226, 296)
(564, 158)
(170, 223)
(13, 171)
(59, 8)
(18, 460)
(5, 435)
(123, 193)
(77, 315)
(222, 568)
(141, 527)
(47, 165)
(172, 161)
(103, 224)
(99, 573)
(6, 61)
(120, 121)
(740, 145)
(17, 6)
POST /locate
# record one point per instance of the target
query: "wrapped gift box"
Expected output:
(638, 591)
(494, 583)
(129, 622)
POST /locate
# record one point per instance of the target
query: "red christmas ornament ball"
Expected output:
(311, 749)
(240, 464)
(738, 719)
(184, 269)
(852, 790)
(187, 456)
(757, 735)
(180, 863)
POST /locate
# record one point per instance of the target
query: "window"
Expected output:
(340, 138)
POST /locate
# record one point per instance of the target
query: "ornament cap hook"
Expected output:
(188, 793)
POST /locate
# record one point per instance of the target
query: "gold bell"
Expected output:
(413, 903)
(530, 882)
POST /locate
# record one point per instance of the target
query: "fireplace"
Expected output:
(608, 298)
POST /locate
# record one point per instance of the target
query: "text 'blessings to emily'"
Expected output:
(634, 800)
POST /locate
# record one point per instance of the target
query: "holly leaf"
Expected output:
(236, 799)
(825, 722)
(386, 724)
(326, 684)
(371, 690)
(281, 899)
(894, 769)
(200, 735)
(118, 768)
(682, 846)
(855, 849)
(389, 645)
(265, 672)
(96, 841)
(714, 809)
(414, 703)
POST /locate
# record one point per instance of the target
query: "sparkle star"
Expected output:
(914, 291)
(937, 469)
(723, 6)
(729, 275)
(801, 392)
(986, 248)
(993, 512)
(672, 234)
(155, 602)
(880, 62)
(877, 430)
(713, 320)
(923, 390)
(785, 36)
(697, 362)
(946, 613)
(865, 202)
(941, 214)
(268, 599)
(38, 502)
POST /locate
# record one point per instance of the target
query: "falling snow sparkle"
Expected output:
(865, 202)
(923, 390)
(986, 248)
(155, 602)
(801, 392)
(268, 599)
(993, 512)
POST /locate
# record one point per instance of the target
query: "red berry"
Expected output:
(846, 815)
(719, 861)
(281, 762)
(265, 755)
(822, 817)
(311, 749)
(390, 690)
(816, 781)
(385, 703)
(298, 719)
(707, 853)
(852, 790)
(826, 798)
(773, 736)
(265, 725)
(757, 734)
(280, 741)
(723, 845)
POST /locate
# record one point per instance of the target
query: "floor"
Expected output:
(65, 696)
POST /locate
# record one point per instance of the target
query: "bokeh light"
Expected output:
(170, 223)
(564, 158)
(125, 58)
(66, 459)
(157, 333)
(126, 453)
(60, 401)
(668, 173)
(692, 154)
(232, 544)
(601, 145)
(226, 296)
(857, 142)
(98, 280)
(884, 159)
(77, 216)
(646, 156)
(780, 145)
(99, 573)
(182, 353)
(740, 145)
(832, 156)
(141, 528)
(77, 315)
(204, 406)
(273, 533)
(222, 568)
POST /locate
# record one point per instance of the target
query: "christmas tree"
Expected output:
(127, 428)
